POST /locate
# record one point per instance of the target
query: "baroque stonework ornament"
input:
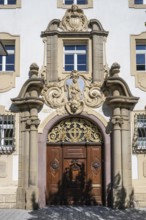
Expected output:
(72, 94)
(74, 20)
(75, 130)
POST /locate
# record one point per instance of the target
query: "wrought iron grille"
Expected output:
(7, 134)
(75, 130)
(139, 139)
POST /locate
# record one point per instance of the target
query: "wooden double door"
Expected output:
(74, 175)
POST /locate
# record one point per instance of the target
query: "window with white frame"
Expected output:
(75, 57)
(141, 56)
(7, 133)
(8, 2)
(79, 2)
(7, 63)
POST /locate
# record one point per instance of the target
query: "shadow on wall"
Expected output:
(35, 205)
(117, 197)
(74, 189)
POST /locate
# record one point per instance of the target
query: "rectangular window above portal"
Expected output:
(75, 54)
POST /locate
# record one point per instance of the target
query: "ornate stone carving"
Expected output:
(74, 130)
(74, 20)
(73, 93)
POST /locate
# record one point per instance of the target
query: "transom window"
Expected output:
(141, 57)
(7, 2)
(75, 57)
(7, 63)
(79, 2)
(7, 133)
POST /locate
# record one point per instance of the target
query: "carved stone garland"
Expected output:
(74, 130)
(71, 97)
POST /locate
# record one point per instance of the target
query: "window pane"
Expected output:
(141, 47)
(69, 47)
(10, 48)
(140, 58)
(69, 67)
(2, 2)
(12, 2)
(0, 67)
(81, 59)
(0, 59)
(81, 47)
(138, 1)
(81, 2)
(82, 67)
(69, 59)
(69, 2)
(10, 59)
(140, 67)
(10, 67)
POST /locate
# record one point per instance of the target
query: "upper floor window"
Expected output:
(75, 57)
(137, 3)
(7, 134)
(81, 3)
(138, 59)
(7, 63)
(10, 4)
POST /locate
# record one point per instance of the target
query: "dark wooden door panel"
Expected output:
(94, 171)
(54, 173)
(74, 175)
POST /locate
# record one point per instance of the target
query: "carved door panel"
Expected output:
(94, 172)
(54, 174)
(74, 181)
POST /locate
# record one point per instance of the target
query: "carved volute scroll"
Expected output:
(74, 130)
(72, 94)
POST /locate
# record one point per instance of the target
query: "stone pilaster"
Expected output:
(29, 104)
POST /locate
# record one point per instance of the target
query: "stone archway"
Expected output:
(102, 149)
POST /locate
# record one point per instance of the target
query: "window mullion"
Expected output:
(4, 63)
(75, 61)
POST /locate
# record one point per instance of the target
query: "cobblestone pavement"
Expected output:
(73, 213)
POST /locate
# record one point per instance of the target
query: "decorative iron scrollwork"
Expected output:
(75, 130)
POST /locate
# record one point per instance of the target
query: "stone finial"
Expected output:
(33, 73)
(115, 69)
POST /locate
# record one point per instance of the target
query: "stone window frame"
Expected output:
(7, 78)
(17, 5)
(136, 6)
(140, 76)
(60, 4)
(62, 41)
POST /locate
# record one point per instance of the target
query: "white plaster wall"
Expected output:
(34, 16)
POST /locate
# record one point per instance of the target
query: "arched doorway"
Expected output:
(74, 163)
